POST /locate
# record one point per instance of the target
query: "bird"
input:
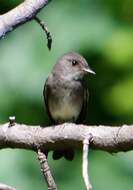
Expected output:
(66, 94)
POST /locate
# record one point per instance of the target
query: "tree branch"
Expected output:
(19, 15)
(6, 187)
(45, 29)
(111, 139)
(46, 170)
(85, 169)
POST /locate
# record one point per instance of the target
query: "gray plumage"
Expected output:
(65, 93)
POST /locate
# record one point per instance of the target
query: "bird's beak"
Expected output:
(88, 70)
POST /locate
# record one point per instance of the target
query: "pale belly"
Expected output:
(65, 109)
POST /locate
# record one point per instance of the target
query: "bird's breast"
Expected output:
(65, 105)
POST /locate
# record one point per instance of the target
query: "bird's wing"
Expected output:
(84, 110)
(45, 96)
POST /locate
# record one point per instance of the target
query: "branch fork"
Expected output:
(21, 14)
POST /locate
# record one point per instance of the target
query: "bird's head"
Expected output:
(72, 66)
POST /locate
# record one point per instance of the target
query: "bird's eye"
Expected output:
(74, 62)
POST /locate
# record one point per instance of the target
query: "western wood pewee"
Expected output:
(66, 95)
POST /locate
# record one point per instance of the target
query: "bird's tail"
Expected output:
(68, 154)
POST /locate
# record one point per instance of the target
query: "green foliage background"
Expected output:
(100, 30)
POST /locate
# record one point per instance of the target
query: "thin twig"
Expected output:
(45, 28)
(6, 187)
(12, 121)
(46, 171)
(85, 167)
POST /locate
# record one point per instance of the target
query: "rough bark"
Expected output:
(107, 138)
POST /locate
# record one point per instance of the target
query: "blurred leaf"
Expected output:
(120, 97)
(119, 48)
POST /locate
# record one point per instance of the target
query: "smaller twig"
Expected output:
(6, 187)
(12, 121)
(46, 171)
(48, 34)
(85, 167)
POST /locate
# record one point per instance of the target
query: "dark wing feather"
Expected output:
(46, 92)
(84, 110)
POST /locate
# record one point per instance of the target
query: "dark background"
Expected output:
(102, 31)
